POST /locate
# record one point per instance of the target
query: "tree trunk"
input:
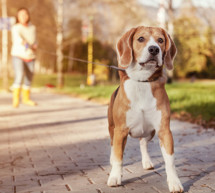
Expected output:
(4, 47)
(71, 54)
(60, 81)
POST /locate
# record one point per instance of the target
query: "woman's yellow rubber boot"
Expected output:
(26, 98)
(16, 95)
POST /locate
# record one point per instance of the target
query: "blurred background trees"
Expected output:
(193, 31)
(194, 37)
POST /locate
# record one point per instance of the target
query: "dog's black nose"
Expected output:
(153, 50)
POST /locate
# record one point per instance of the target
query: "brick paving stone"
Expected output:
(62, 145)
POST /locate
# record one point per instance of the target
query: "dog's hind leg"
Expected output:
(146, 160)
(111, 132)
(111, 124)
(111, 127)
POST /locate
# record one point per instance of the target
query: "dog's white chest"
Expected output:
(143, 116)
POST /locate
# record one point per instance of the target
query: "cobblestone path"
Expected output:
(62, 145)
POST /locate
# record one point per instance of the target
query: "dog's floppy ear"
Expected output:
(170, 51)
(125, 50)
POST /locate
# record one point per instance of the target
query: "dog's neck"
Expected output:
(155, 76)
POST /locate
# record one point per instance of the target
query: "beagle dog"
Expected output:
(140, 105)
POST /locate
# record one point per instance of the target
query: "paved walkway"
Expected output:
(62, 145)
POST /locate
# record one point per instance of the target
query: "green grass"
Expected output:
(75, 85)
(196, 99)
(70, 80)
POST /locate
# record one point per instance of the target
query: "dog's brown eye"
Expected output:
(160, 40)
(141, 39)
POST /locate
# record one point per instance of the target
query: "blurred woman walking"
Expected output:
(23, 56)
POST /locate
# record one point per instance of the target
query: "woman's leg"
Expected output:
(29, 71)
(19, 72)
(18, 66)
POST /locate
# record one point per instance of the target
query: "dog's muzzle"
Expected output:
(151, 61)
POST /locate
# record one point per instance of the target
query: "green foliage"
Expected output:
(195, 48)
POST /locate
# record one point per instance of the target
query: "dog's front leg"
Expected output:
(116, 158)
(167, 148)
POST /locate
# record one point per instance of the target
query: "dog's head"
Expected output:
(143, 50)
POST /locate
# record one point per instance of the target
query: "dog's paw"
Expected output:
(147, 165)
(175, 185)
(114, 180)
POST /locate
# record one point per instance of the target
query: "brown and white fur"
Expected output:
(140, 106)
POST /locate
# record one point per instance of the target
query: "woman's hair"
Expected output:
(20, 9)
